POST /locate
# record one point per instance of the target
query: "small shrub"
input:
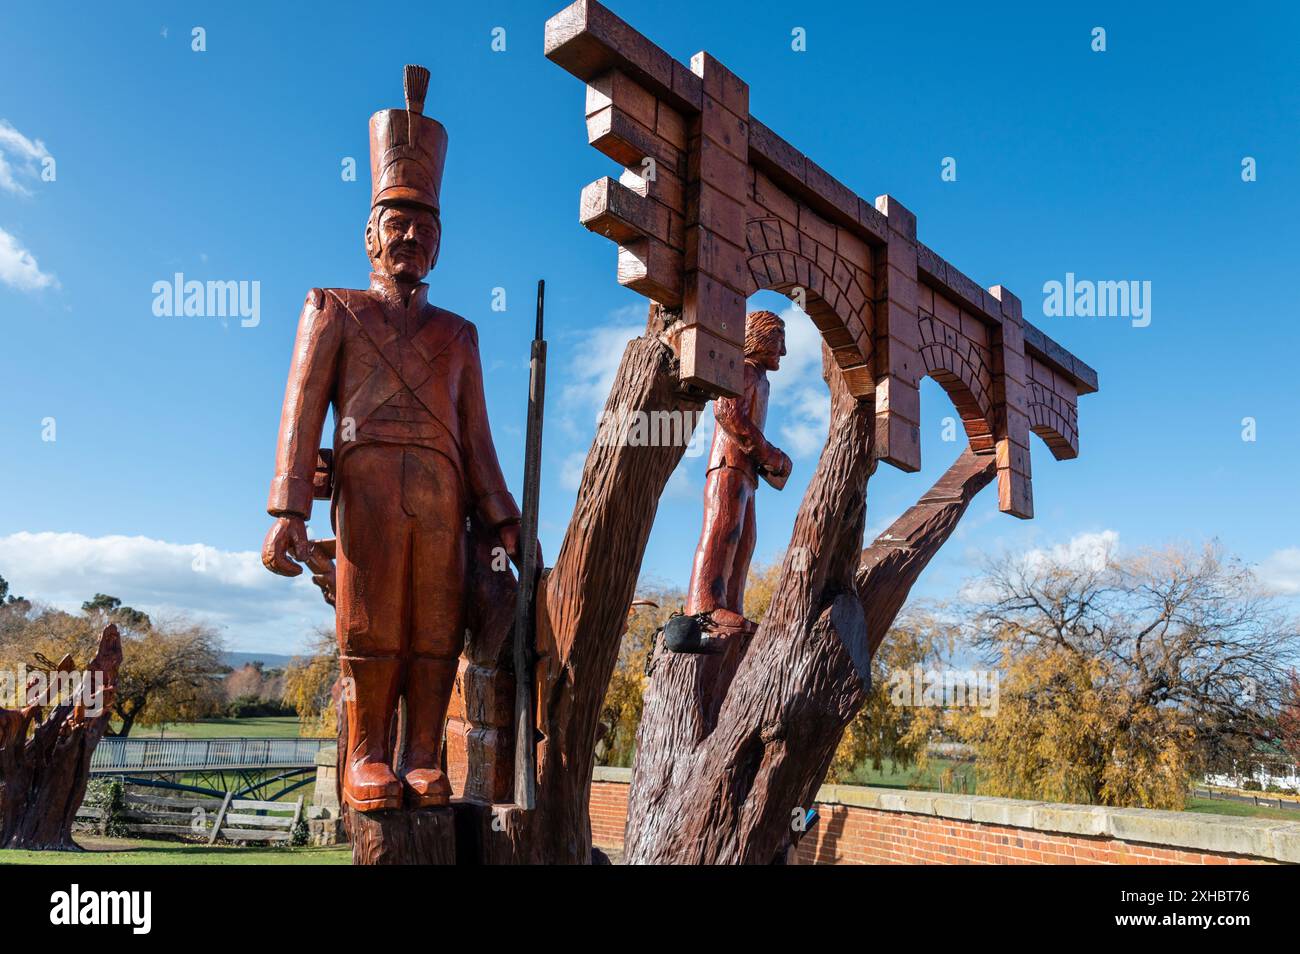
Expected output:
(252, 707)
(108, 795)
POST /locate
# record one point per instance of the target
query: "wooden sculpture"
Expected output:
(708, 206)
(711, 205)
(44, 770)
(412, 462)
(739, 456)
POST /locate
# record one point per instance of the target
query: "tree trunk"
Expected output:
(123, 730)
(582, 614)
(582, 606)
(425, 836)
(729, 747)
(43, 777)
(730, 753)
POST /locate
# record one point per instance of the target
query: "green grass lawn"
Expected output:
(1223, 806)
(134, 851)
(261, 727)
(927, 779)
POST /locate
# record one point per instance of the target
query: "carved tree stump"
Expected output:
(43, 777)
(727, 748)
(727, 756)
(581, 615)
(425, 836)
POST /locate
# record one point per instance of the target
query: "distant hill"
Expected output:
(268, 660)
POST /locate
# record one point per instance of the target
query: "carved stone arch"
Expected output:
(1054, 421)
(962, 370)
(782, 259)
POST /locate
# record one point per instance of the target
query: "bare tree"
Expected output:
(1153, 666)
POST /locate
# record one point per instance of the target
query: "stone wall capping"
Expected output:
(1274, 839)
(1011, 812)
(609, 773)
(1192, 833)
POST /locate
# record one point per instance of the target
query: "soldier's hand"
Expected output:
(509, 536)
(286, 542)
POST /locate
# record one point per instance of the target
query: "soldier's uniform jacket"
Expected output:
(406, 375)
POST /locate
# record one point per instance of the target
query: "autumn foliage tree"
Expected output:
(309, 684)
(171, 669)
(884, 730)
(1120, 676)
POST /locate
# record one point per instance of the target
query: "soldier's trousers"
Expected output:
(401, 577)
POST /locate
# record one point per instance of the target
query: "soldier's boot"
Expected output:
(370, 698)
(429, 683)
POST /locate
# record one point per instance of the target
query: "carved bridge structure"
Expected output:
(713, 206)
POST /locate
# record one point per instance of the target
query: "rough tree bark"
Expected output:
(43, 776)
(582, 614)
(729, 751)
(718, 772)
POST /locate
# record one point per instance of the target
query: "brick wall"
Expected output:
(860, 825)
(608, 811)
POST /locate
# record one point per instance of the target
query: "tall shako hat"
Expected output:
(407, 149)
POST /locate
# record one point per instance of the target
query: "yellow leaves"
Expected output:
(883, 730)
(1068, 730)
(759, 588)
(620, 713)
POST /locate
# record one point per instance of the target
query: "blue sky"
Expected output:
(225, 165)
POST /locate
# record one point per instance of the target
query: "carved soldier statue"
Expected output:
(412, 460)
(739, 456)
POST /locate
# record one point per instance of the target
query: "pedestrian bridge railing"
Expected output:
(114, 756)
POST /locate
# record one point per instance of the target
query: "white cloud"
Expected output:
(231, 590)
(798, 389)
(595, 361)
(1281, 572)
(571, 470)
(18, 266)
(19, 158)
(1083, 551)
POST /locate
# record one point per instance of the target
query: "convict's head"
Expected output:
(764, 339)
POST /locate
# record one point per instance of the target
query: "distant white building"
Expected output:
(1266, 772)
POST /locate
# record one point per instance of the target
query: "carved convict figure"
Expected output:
(739, 456)
(412, 459)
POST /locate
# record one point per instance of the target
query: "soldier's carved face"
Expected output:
(403, 242)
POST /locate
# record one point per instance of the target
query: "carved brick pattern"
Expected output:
(783, 258)
(962, 368)
(1053, 410)
(725, 180)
